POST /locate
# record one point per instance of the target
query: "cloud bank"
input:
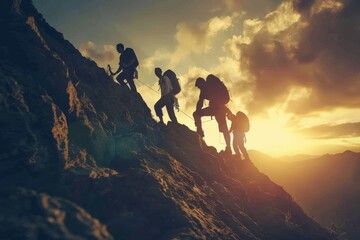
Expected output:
(304, 56)
(347, 130)
(103, 56)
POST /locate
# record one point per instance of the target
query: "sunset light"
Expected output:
(300, 96)
(174, 119)
(274, 137)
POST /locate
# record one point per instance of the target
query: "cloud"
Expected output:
(347, 130)
(233, 4)
(151, 62)
(191, 39)
(250, 7)
(190, 93)
(103, 56)
(198, 39)
(304, 54)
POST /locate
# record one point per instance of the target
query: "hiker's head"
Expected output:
(120, 48)
(200, 82)
(158, 72)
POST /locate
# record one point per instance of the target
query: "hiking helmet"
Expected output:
(120, 47)
(199, 82)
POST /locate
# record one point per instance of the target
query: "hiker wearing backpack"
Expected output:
(168, 91)
(215, 91)
(239, 126)
(127, 66)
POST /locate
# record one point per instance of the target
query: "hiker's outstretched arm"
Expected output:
(229, 114)
(228, 111)
(117, 71)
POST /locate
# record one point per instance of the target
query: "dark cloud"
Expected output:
(319, 51)
(303, 5)
(347, 130)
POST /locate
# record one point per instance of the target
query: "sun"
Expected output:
(274, 137)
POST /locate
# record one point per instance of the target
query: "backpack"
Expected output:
(128, 56)
(242, 122)
(217, 90)
(174, 81)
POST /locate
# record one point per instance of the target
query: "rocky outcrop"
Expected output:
(27, 214)
(68, 130)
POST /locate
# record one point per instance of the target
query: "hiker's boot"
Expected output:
(161, 123)
(246, 157)
(228, 151)
(238, 156)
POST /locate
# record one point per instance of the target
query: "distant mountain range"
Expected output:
(327, 187)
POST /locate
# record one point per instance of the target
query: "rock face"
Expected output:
(29, 215)
(69, 131)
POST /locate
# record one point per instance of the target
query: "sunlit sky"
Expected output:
(292, 65)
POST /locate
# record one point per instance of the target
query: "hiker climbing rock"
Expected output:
(215, 91)
(168, 89)
(127, 67)
(239, 126)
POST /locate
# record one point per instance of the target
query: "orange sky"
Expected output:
(292, 65)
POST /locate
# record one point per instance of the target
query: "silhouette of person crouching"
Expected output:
(217, 108)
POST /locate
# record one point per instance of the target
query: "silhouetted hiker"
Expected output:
(167, 97)
(240, 125)
(127, 66)
(216, 92)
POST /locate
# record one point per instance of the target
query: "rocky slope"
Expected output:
(78, 139)
(28, 215)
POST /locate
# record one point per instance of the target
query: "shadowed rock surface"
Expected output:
(69, 131)
(28, 215)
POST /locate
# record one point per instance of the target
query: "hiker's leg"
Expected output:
(243, 150)
(121, 78)
(227, 140)
(158, 107)
(170, 109)
(130, 80)
(235, 146)
(197, 118)
(221, 119)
